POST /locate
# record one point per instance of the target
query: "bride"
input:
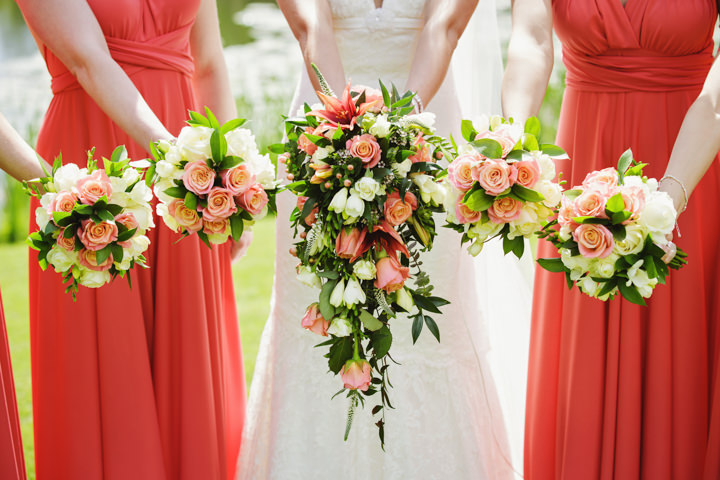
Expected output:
(447, 423)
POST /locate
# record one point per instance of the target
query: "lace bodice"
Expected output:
(365, 8)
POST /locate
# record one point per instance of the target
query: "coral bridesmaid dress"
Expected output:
(618, 391)
(12, 463)
(145, 383)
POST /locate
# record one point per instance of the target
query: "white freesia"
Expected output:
(367, 188)
(174, 156)
(42, 217)
(477, 246)
(241, 143)
(125, 264)
(658, 216)
(354, 293)
(404, 299)
(307, 277)
(365, 269)
(424, 120)
(485, 230)
(354, 207)
(61, 259)
(141, 193)
(639, 277)
(67, 176)
(339, 200)
(194, 143)
(165, 169)
(430, 191)
(336, 297)
(381, 127)
(633, 242)
(589, 286)
(578, 264)
(93, 279)
(565, 233)
(551, 191)
(162, 211)
(340, 327)
(603, 267)
(138, 245)
(143, 215)
(403, 168)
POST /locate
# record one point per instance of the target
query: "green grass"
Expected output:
(253, 277)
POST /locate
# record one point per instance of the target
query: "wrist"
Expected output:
(676, 190)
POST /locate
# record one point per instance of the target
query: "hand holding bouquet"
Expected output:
(612, 231)
(502, 184)
(212, 181)
(92, 222)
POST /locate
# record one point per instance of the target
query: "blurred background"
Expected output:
(264, 63)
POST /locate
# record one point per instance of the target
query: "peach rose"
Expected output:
(356, 375)
(528, 172)
(63, 202)
(503, 136)
(127, 219)
(634, 199)
(237, 179)
(220, 205)
(594, 241)
(92, 188)
(314, 321)
(504, 210)
(198, 177)
(217, 227)
(398, 211)
(603, 180)
(185, 217)
(465, 214)
(366, 148)
(460, 171)
(66, 243)
(253, 200)
(349, 245)
(88, 258)
(590, 203)
(312, 216)
(566, 212)
(423, 151)
(373, 97)
(96, 236)
(391, 275)
(305, 144)
(494, 176)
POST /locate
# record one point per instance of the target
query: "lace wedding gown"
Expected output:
(447, 423)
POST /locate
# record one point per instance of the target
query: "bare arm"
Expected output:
(16, 156)
(69, 28)
(697, 142)
(529, 60)
(211, 81)
(311, 23)
(445, 22)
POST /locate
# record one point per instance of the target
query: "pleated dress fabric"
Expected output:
(148, 382)
(615, 390)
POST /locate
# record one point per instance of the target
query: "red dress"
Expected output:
(12, 463)
(145, 383)
(618, 391)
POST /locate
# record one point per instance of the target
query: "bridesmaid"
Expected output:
(616, 390)
(141, 383)
(19, 160)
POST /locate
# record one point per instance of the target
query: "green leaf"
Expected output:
(623, 164)
(150, 175)
(619, 232)
(417, 327)
(340, 352)
(608, 287)
(191, 200)
(62, 219)
(232, 125)
(70, 232)
(218, 146)
(385, 94)
(381, 341)
(591, 219)
(103, 254)
(229, 162)
(370, 322)
(530, 143)
(119, 154)
(630, 293)
(203, 236)
(277, 148)
(478, 201)
(308, 207)
(572, 194)
(332, 275)
(198, 119)
(425, 303)
(117, 252)
(105, 215)
(468, 130)
(326, 309)
(516, 246)
(532, 126)
(83, 209)
(527, 194)
(552, 264)
(175, 192)
(620, 217)
(488, 147)
(615, 204)
(432, 326)
(212, 119)
(237, 225)
(126, 235)
(649, 265)
(552, 150)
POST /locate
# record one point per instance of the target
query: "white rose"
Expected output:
(241, 143)
(658, 216)
(636, 181)
(61, 259)
(143, 215)
(165, 169)
(652, 184)
(354, 293)
(339, 200)
(527, 223)
(565, 233)
(93, 279)
(603, 267)
(307, 277)
(404, 299)
(367, 188)
(263, 169)
(485, 230)
(194, 143)
(381, 127)
(138, 245)
(162, 211)
(42, 217)
(67, 176)
(340, 327)
(336, 297)
(589, 286)
(465, 149)
(551, 191)
(365, 269)
(125, 264)
(547, 166)
(173, 156)
(322, 153)
(354, 207)
(141, 193)
(403, 168)
(639, 277)
(634, 241)
(577, 264)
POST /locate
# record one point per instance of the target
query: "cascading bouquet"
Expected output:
(502, 184)
(364, 172)
(92, 222)
(612, 230)
(212, 181)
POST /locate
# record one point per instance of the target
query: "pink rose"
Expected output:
(634, 199)
(502, 135)
(198, 177)
(504, 210)
(305, 144)
(373, 97)
(185, 217)
(528, 172)
(607, 177)
(127, 219)
(216, 227)
(63, 202)
(312, 216)
(253, 200)
(66, 243)
(356, 375)
(314, 321)
(398, 211)
(590, 203)
(460, 171)
(88, 259)
(494, 176)
(220, 205)
(465, 214)
(96, 236)
(423, 151)
(566, 212)
(366, 148)
(594, 241)
(391, 275)
(349, 245)
(92, 188)
(237, 179)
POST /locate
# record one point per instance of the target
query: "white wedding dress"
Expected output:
(447, 423)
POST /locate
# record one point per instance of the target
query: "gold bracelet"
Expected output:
(684, 190)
